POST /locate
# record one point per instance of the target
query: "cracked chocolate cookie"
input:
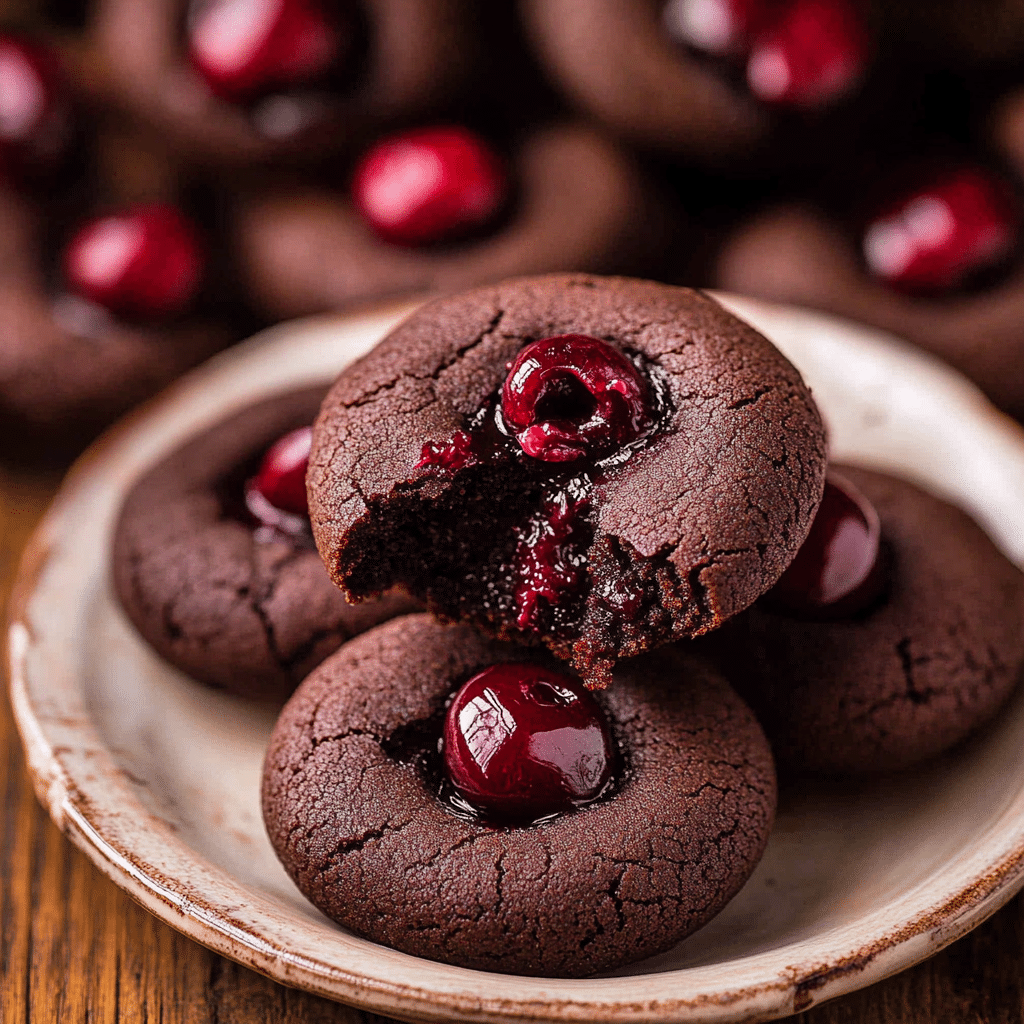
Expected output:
(927, 651)
(214, 562)
(601, 465)
(356, 807)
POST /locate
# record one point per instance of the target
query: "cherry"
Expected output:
(522, 742)
(142, 261)
(720, 27)
(838, 570)
(812, 54)
(572, 395)
(938, 236)
(248, 48)
(281, 480)
(33, 106)
(429, 185)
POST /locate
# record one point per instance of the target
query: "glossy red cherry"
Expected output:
(572, 396)
(943, 233)
(720, 27)
(34, 117)
(142, 261)
(429, 185)
(811, 55)
(522, 742)
(281, 480)
(247, 48)
(838, 570)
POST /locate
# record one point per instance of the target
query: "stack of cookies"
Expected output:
(612, 498)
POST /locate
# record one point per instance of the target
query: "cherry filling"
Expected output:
(276, 495)
(802, 53)
(429, 185)
(839, 570)
(944, 233)
(245, 49)
(144, 261)
(550, 560)
(522, 742)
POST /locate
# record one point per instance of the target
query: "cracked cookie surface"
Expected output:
(909, 679)
(357, 822)
(241, 609)
(690, 528)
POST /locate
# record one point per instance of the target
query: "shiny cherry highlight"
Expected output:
(144, 261)
(940, 235)
(522, 742)
(429, 185)
(247, 48)
(573, 396)
(720, 27)
(838, 570)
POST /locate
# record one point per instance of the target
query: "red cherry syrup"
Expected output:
(838, 571)
(429, 185)
(522, 742)
(145, 261)
(945, 232)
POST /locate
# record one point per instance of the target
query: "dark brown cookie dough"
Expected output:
(697, 523)
(133, 57)
(68, 368)
(367, 840)
(582, 204)
(910, 678)
(235, 607)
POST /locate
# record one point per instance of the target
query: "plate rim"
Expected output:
(72, 807)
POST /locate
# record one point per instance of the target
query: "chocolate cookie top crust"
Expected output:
(912, 675)
(353, 811)
(234, 605)
(665, 534)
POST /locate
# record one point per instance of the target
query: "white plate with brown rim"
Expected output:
(156, 778)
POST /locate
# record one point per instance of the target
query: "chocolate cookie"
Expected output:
(285, 83)
(617, 61)
(693, 465)
(580, 204)
(799, 255)
(234, 605)
(67, 366)
(909, 676)
(353, 811)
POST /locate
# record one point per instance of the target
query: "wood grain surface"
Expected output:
(74, 948)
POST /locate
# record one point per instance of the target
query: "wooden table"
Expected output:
(74, 948)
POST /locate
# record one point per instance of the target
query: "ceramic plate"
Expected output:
(157, 778)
